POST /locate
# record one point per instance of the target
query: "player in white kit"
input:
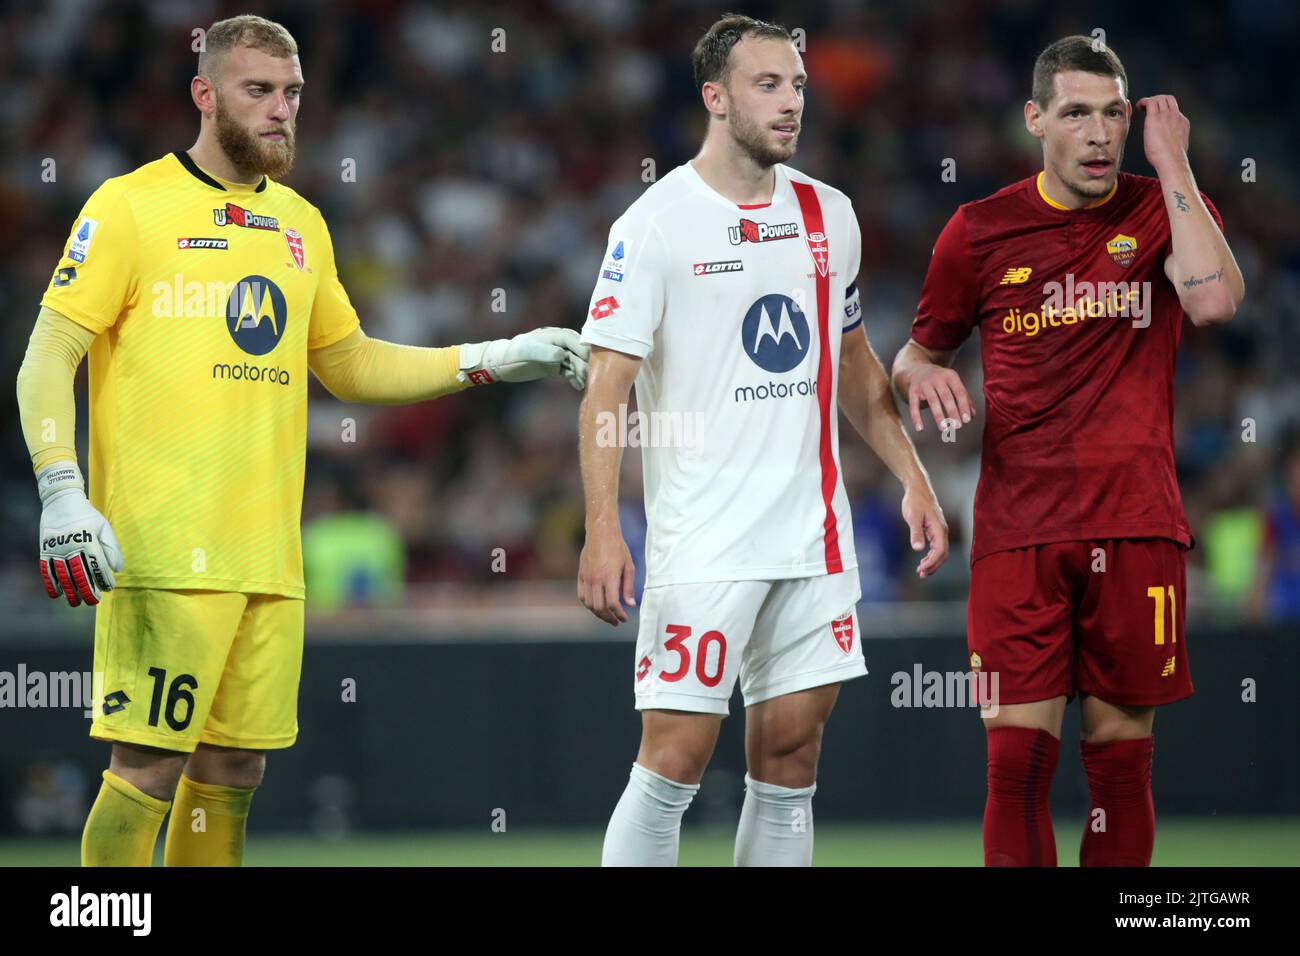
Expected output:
(728, 295)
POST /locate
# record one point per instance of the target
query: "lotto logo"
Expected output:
(842, 629)
(714, 268)
(604, 308)
(643, 668)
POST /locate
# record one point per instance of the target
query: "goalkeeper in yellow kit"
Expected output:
(204, 290)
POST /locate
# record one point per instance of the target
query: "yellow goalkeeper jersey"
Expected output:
(206, 296)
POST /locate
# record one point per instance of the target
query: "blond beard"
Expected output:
(748, 135)
(250, 152)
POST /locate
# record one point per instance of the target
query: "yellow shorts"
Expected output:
(182, 668)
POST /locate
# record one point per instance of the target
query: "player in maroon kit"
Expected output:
(1077, 279)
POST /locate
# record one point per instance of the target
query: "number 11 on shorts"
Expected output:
(1158, 595)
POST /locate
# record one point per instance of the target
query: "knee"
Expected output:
(227, 766)
(678, 761)
(789, 760)
(1116, 725)
(151, 771)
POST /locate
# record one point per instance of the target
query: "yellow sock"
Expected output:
(213, 837)
(122, 827)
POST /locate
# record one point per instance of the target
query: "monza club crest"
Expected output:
(820, 251)
(293, 239)
(842, 630)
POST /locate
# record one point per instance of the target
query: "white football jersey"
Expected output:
(737, 312)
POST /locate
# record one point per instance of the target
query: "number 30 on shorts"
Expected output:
(677, 644)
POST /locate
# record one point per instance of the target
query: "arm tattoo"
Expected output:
(1212, 277)
(1182, 202)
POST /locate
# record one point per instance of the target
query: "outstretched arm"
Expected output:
(358, 368)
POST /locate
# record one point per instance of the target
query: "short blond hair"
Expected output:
(247, 30)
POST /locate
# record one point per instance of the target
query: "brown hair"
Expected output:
(710, 59)
(1073, 53)
(247, 30)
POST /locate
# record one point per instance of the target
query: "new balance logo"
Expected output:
(1018, 276)
(1169, 668)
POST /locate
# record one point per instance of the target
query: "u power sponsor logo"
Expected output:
(750, 231)
(232, 215)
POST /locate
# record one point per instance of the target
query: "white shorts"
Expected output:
(777, 636)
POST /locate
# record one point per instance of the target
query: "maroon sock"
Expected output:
(1119, 779)
(1017, 821)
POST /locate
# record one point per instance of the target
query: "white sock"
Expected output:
(776, 825)
(646, 826)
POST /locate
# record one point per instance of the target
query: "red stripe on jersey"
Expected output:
(757, 205)
(811, 208)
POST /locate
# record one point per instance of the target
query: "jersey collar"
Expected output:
(1038, 182)
(207, 179)
(780, 187)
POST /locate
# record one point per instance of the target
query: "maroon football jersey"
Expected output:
(1078, 328)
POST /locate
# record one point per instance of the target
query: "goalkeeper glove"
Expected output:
(79, 551)
(541, 353)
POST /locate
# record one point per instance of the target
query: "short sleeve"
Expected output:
(628, 301)
(332, 315)
(97, 278)
(947, 311)
(852, 298)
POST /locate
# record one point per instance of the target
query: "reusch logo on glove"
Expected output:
(59, 540)
(479, 377)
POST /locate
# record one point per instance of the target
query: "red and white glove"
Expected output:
(79, 551)
(542, 353)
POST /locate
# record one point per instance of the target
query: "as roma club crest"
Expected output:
(1123, 249)
(293, 239)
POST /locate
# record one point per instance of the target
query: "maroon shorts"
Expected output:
(1095, 617)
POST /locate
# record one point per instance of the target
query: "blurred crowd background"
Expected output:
(479, 170)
